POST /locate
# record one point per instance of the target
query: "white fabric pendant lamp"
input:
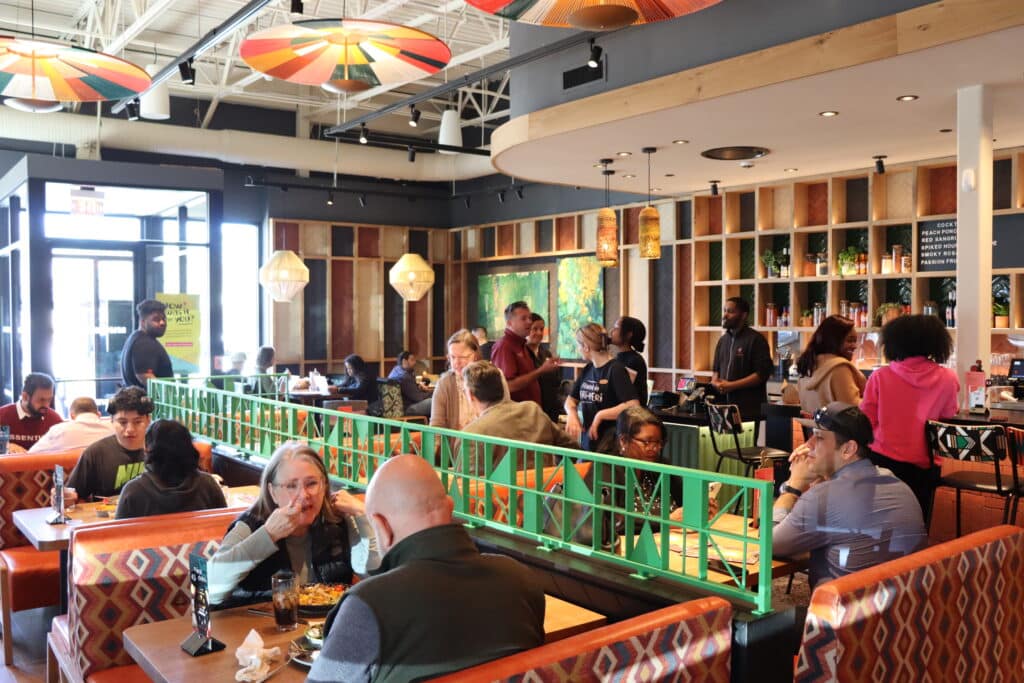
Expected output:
(155, 104)
(412, 277)
(284, 275)
(451, 130)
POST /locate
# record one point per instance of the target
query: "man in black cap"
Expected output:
(837, 505)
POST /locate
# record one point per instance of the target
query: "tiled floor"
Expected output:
(30, 628)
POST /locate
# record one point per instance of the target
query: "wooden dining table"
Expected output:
(156, 646)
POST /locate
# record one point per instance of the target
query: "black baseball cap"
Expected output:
(845, 420)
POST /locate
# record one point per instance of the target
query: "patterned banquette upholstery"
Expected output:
(691, 641)
(128, 572)
(951, 612)
(28, 578)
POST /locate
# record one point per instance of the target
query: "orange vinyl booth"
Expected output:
(948, 612)
(28, 578)
(123, 573)
(687, 641)
(550, 477)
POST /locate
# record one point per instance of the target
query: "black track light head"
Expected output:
(187, 71)
(519, 192)
(501, 196)
(364, 134)
(330, 198)
(467, 201)
(132, 108)
(880, 163)
(594, 60)
(714, 187)
(412, 154)
(297, 7)
(414, 116)
(362, 200)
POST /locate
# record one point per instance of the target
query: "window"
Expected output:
(240, 298)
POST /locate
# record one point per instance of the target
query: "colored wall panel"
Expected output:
(342, 330)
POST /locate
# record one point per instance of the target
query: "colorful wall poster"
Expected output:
(495, 292)
(580, 300)
(182, 337)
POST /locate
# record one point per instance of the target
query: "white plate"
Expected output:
(303, 658)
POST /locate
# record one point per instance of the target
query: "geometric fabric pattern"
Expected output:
(975, 443)
(25, 482)
(123, 574)
(951, 612)
(695, 644)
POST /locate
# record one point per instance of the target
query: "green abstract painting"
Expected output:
(580, 300)
(495, 292)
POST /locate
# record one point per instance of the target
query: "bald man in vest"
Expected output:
(436, 605)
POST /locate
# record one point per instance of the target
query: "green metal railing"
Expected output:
(562, 499)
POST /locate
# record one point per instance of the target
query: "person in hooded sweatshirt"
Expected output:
(826, 371)
(171, 481)
(900, 397)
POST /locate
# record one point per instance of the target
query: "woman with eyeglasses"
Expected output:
(171, 481)
(602, 391)
(296, 524)
(449, 407)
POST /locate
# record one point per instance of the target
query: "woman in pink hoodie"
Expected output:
(900, 397)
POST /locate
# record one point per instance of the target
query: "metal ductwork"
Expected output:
(236, 147)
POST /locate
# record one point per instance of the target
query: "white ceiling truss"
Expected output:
(139, 29)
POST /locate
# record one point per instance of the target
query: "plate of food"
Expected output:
(306, 649)
(319, 598)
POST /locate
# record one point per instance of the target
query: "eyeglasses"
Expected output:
(292, 488)
(654, 444)
(465, 357)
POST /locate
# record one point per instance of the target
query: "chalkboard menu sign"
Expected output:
(936, 245)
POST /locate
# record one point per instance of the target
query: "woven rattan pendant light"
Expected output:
(607, 225)
(650, 221)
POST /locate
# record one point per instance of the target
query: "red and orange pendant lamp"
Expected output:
(591, 15)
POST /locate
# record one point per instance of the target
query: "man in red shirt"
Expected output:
(514, 361)
(31, 417)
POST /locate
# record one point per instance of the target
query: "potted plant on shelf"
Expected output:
(771, 263)
(806, 319)
(886, 312)
(1000, 312)
(848, 261)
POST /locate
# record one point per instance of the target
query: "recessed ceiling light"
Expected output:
(680, 142)
(670, 175)
(828, 114)
(735, 153)
(906, 98)
(655, 189)
(629, 176)
(598, 166)
(624, 154)
(945, 130)
(791, 170)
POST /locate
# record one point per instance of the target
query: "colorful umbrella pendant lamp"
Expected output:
(345, 55)
(591, 15)
(36, 72)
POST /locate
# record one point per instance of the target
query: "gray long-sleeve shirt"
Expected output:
(861, 517)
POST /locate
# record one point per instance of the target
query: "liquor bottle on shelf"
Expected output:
(784, 263)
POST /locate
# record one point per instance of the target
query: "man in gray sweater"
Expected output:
(423, 613)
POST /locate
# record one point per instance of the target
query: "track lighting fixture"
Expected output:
(880, 163)
(714, 188)
(467, 201)
(501, 196)
(330, 198)
(519, 192)
(297, 7)
(188, 71)
(133, 110)
(364, 134)
(362, 200)
(412, 154)
(595, 55)
(414, 116)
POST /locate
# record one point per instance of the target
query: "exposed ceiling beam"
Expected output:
(138, 26)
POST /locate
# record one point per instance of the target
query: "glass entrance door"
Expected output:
(92, 317)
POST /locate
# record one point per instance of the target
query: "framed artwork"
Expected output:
(580, 300)
(495, 292)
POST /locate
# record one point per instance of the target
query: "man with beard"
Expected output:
(29, 418)
(743, 361)
(143, 357)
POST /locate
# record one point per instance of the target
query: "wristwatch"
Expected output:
(786, 488)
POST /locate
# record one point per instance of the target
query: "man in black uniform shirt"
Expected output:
(743, 361)
(143, 357)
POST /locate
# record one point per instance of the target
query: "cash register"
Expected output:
(1015, 380)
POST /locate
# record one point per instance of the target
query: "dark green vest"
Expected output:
(442, 606)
